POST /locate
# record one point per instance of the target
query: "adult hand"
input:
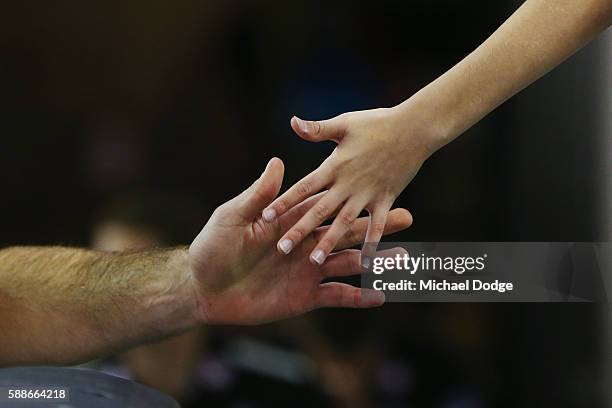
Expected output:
(375, 159)
(240, 278)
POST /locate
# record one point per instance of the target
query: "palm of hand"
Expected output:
(372, 164)
(246, 280)
(240, 278)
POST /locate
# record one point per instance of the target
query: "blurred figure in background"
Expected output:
(141, 221)
(161, 105)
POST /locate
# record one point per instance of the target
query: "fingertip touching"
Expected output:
(296, 194)
(314, 217)
(339, 228)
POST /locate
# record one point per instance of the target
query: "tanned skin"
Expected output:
(68, 305)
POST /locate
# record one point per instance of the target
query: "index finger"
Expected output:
(306, 187)
(397, 220)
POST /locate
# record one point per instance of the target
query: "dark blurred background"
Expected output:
(101, 102)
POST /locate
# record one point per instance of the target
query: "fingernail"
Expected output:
(366, 261)
(285, 245)
(269, 214)
(302, 125)
(318, 256)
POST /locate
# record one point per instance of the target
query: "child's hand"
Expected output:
(376, 157)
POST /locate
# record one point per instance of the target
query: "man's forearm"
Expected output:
(536, 38)
(64, 305)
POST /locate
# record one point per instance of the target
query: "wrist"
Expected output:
(424, 123)
(179, 295)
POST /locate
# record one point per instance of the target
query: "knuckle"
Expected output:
(304, 188)
(344, 117)
(352, 235)
(296, 234)
(346, 218)
(378, 228)
(329, 164)
(356, 297)
(354, 262)
(341, 163)
(257, 193)
(280, 206)
(320, 212)
(220, 211)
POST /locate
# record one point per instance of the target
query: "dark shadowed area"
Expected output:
(108, 107)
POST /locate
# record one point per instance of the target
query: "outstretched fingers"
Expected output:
(339, 228)
(397, 220)
(315, 216)
(289, 218)
(300, 191)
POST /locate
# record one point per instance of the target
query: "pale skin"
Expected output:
(380, 151)
(66, 305)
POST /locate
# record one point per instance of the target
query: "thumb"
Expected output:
(319, 130)
(263, 191)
